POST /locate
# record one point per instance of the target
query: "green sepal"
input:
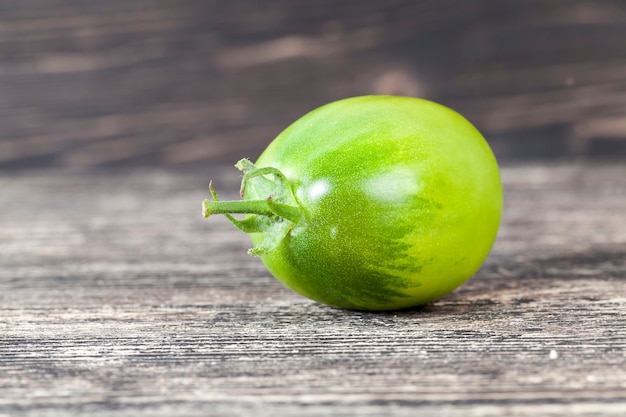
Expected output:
(287, 212)
(251, 224)
(272, 238)
(269, 202)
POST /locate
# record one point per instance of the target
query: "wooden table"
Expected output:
(118, 298)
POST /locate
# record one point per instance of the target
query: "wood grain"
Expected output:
(151, 82)
(117, 298)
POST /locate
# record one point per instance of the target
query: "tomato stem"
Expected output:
(274, 216)
(236, 207)
(263, 207)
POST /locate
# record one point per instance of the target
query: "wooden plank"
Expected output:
(116, 297)
(151, 82)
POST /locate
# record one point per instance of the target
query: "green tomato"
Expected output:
(371, 203)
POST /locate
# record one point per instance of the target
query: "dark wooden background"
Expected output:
(190, 82)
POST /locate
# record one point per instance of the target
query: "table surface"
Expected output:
(118, 298)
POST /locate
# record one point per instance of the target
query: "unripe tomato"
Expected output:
(371, 203)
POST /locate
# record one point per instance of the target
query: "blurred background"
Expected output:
(190, 83)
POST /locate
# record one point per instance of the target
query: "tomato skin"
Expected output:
(401, 201)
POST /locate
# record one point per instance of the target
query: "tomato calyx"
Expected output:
(267, 200)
